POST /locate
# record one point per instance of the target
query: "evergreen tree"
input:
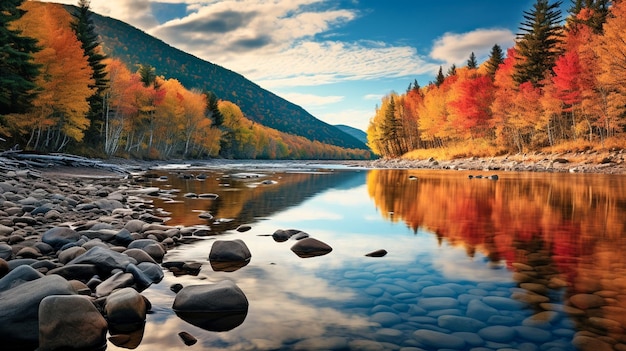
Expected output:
(391, 127)
(471, 62)
(147, 75)
(538, 43)
(212, 111)
(85, 32)
(440, 77)
(17, 68)
(599, 10)
(452, 70)
(496, 57)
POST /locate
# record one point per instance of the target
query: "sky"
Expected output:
(335, 58)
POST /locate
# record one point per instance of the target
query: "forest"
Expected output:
(562, 86)
(60, 92)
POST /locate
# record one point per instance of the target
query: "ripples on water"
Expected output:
(527, 262)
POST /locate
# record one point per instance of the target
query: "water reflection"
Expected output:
(533, 260)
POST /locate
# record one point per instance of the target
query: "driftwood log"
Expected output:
(19, 161)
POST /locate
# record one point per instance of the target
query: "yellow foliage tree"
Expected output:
(60, 110)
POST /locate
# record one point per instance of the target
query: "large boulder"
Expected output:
(70, 322)
(310, 247)
(19, 308)
(125, 310)
(17, 276)
(57, 237)
(217, 307)
(229, 255)
(105, 259)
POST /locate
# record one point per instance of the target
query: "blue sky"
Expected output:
(335, 58)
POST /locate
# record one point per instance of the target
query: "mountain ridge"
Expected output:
(135, 47)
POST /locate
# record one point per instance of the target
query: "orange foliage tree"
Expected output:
(59, 114)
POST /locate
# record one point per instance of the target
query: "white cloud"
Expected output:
(373, 97)
(455, 48)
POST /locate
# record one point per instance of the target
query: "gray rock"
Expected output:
(116, 281)
(460, 323)
(18, 276)
(139, 255)
(229, 251)
(59, 236)
(142, 281)
(497, 333)
(152, 270)
(217, 307)
(82, 272)
(5, 251)
(134, 225)
(310, 247)
(19, 307)
(70, 322)
(125, 310)
(71, 253)
(105, 259)
(438, 340)
(4, 230)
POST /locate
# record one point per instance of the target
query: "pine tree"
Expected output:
(599, 10)
(213, 111)
(496, 58)
(17, 68)
(471, 62)
(538, 44)
(452, 70)
(440, 77)
(85, 32)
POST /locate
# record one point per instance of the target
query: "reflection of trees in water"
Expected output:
(562, 235)
(245, 200)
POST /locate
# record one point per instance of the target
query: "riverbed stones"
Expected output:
(81, 327)
(19, 307)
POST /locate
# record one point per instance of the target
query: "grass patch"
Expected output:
(474, 148)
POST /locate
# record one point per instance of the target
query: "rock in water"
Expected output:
(125, 310)
(229, 255)
(310, 247)
(70, 322)
(217, 307)
(377, 253)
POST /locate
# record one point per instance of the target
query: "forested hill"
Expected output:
(135, 47)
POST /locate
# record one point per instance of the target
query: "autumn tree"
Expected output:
(598, 11)
(85, 32)
(496, 57)
(610, 48)
(59, 113)
(18, 71)
(538, 43)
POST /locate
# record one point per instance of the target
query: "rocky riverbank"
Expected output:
(574, 162)
(77, 248)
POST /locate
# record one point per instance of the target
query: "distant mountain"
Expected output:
(357, 133)
(135, 47)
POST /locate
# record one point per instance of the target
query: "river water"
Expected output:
(529, 261)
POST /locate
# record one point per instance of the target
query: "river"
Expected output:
(530, 261)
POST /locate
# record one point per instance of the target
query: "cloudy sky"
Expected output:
(335, 58)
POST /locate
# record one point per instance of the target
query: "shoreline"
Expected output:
(590, 162)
